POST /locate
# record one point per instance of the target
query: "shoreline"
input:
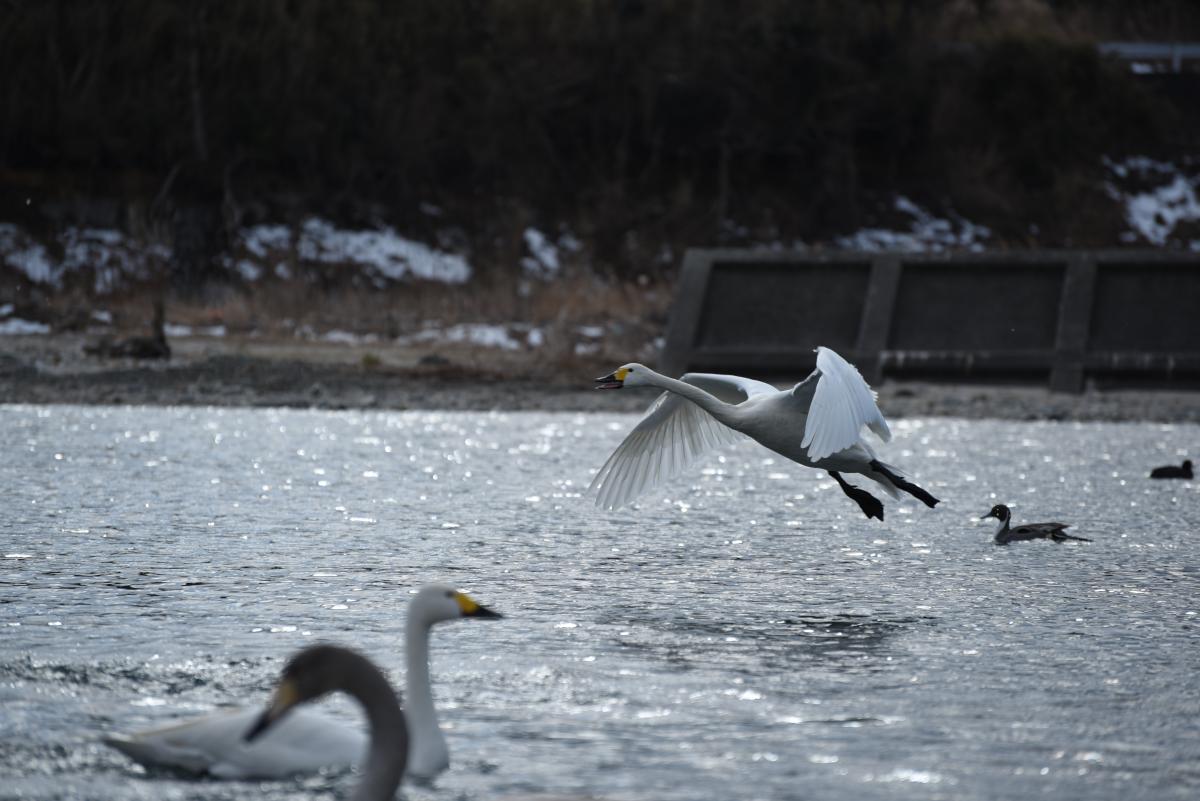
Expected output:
(204, 372)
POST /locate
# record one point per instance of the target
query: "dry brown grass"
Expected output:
(295, 314)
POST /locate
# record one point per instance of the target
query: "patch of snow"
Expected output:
(569, 242)
(544, 261)
(15, 326)
(347, 338)
(587, 348)
(107, 252)
(592, 331)
(29, 257)
(537, 337)
(383, 250)
(263, 239)
(489, 336)
(483, 334)
(111, 257)
(283, 271)
(1153, 213)
(248, 270)
(903, 204)
(926, 233)
(102, 316)
(6, 309)
(1138, 164)
(176, 330)
(430, 209)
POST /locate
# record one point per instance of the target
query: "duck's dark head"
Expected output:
(1187, 464)
(999, 511)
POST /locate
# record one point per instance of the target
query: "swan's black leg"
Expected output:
(866, 501)
(909, 487)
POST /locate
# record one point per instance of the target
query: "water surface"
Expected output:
(744, 634)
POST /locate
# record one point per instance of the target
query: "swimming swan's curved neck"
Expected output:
(383, 769)
(722, 411)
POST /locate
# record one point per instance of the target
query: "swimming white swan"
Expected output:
(816, 423)
(308, 741)
(322, 669)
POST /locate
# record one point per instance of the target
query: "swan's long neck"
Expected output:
(387, 754)
(427, 752)
(722, 411)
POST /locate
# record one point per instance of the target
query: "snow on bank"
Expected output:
(1158, 197)
(382, 252)
(176, 330)
(15, 326)
(926, 233)
(487, 335)
(24, 255)
(544, 260)
(110, 256)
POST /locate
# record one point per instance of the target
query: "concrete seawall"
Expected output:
(1057, 316)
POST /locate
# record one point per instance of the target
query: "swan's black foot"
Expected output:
(903, 484)
(866, 501)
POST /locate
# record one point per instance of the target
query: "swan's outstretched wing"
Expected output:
(839, 404)
(673, 434)
(303, 742)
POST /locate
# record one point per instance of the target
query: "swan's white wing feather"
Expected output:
(303, 742)
(728, 388)
(841, 404)
(673, 433)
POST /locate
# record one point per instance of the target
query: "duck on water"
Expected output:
(1027, 531)
(1173, 471)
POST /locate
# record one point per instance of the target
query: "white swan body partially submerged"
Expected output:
(817, 423)
(307, 741)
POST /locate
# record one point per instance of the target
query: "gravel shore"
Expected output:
(53, 369)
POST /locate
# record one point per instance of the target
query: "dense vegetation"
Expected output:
(633, 121)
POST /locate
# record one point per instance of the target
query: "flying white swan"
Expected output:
(322, 669)
(308, 741)
(817, 423)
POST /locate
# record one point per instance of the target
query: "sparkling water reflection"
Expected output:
(746, 634)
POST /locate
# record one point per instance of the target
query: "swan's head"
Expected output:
(999, 511)
(435, 603)
(310, 674)
(630, 375)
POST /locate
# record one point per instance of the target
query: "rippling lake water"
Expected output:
(745, 634)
